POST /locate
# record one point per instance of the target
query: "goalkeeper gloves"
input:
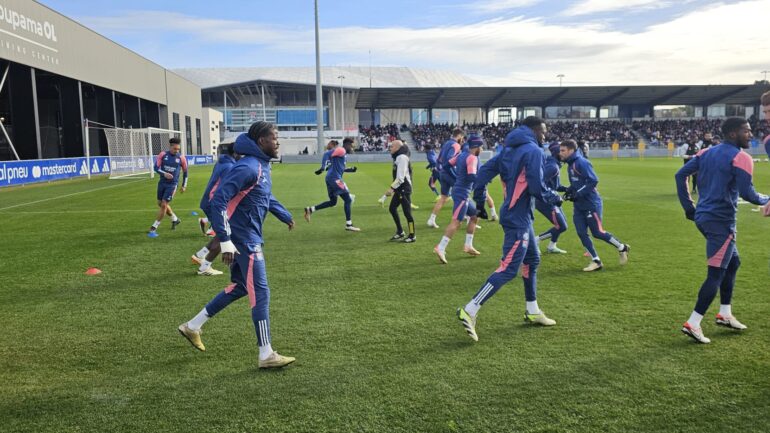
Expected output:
(690, 214)
(228, 247)
(382, 199)
(319, 171)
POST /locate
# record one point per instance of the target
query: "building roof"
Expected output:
(355, 77)
(596, 96)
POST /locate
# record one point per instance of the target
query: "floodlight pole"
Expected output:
(765, 73)
(342, 101)
(318, 91)
(560, 76)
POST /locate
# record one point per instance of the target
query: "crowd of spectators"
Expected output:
(678, 131)
(377, 138)
(494, 134)
(599, 133)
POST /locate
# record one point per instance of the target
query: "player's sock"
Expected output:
(619, 245)
(468, 240)
(156, 224)
(265, 351)
(205, 264)
(695, 319)
(197, 322)
(174, 217)
(432, 218)
(551, 245)
(202, 253)
(532, 307)
(472, 308)
(443, 243)
(492, 212)
(312, 209)
(725, 310)
(596, 259)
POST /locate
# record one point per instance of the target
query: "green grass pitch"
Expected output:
(372, 323)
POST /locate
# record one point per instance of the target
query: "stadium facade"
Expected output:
(58, 73)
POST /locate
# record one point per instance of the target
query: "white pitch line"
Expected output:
(54, 212)
(68, 195)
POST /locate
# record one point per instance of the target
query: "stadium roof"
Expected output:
(596, 96)
(355, 77)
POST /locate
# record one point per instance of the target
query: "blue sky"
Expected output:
(498, 42)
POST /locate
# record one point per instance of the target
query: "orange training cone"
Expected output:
(93, 271)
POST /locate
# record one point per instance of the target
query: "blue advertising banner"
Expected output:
(45, 170)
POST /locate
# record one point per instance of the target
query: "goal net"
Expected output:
(133, 151)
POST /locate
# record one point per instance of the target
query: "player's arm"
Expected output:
(324, 161)
(158, 169)
(535, 185)
(236, 180)
(590, 180)
(682, 187)
(183, 161)
(280, 212)
(456, 149)
(743, 169)
(402, 168)
(486, 173)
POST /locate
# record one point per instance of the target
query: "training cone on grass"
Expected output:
(193, 213)
(152, 235)
(93, 271)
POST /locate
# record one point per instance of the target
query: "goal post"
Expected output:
(132, 152)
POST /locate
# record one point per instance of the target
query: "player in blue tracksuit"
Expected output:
(206, 255)
(520, 167)
(238, 210)
(337, 166)
(724, 173)
(168, 165)
(446, 161)
(587, 205)
(554, 214)
(326, 156)
(433, 167)
(466, 169)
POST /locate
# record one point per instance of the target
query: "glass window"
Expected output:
(188, 134)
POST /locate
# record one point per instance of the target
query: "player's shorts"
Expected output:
(336, 187)
(447, 182)
(462, 207)
(166, 191)
(720, 243)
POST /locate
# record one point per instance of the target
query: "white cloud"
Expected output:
(696, 48)
(492, 6)
(586, 7)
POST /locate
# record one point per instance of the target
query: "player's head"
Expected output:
(583, 146)
(228, 149)
(475, 142)
(708, 137)
(738, 131)
(395, 146)
(347, 144)
(554, 148)
(537, 126)
(458, 135)
(765, 101)
(567, 148)
(332, 144)
(265, 135)
(174, 145)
